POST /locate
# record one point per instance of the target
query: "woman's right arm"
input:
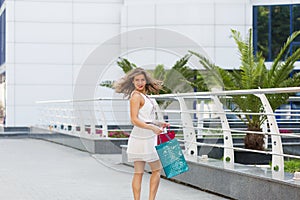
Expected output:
(135, 102)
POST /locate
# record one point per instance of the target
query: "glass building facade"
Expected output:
(2, 37)
(272, 24)
(2, 62)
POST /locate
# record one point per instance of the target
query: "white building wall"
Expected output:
(206, 22)
(48, 41)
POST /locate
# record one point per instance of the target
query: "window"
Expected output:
(271, 27)
(2, 37)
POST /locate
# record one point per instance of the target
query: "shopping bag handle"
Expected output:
(165, 133)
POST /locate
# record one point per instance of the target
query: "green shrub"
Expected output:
(118, 134)
(292, 165)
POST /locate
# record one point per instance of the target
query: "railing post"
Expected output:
(104, 123)
(277, 159)
(200, 117)
(188, 130)
(228, 144)
(79, 119)
(264, 128)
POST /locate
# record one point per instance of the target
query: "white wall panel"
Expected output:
(43, 11)
(108, 72)
(43, 32)
(81, 52)
(143, 58)
(163, 36)
(10, 31)
(107, 92)
(27, 115)
(103, 54)
(224, 36)
(141, 15)
(201, 34)
(168, 59)
(10, 115)
(99, 1)
(185, 14)
(227, 58)
(41, 92)
(76, 70)
(248, 14)
(54, 38)
(10, 53)
(43, 53)
(272, 2)
(96, 13)
(10, 10)
(10, 94)
(95, 33)
(208, 52)
(123, 16)
(10, 74)
(29, 74)
(230, 14)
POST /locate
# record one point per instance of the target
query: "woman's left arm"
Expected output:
(160, 119)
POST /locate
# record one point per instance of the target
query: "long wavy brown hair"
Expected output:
(125, 84)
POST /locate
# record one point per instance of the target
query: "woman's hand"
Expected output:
(162, 124)
(165, 124)
(155, 129)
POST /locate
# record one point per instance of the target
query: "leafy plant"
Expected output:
(126, 66)
(2, 113)
(253, 74)
(180, 78)
(118, 134)
(292, 165)
(1, 109)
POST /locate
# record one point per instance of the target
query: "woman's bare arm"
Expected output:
(136, 101)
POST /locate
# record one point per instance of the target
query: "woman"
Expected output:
(143, 138)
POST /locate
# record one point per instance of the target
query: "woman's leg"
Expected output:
(137, 179)
(154, 179)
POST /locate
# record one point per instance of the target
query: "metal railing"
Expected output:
(193, 116)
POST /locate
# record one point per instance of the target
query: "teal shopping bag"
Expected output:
(171, 158)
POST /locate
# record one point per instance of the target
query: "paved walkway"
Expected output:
(38, 170)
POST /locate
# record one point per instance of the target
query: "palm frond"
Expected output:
(108, 84)
(211, 74)
(284, 48)
(181, 62)
(125, 64)
(159, 72)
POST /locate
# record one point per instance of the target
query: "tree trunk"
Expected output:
(254, 141)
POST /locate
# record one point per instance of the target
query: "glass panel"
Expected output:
(296, 20)
(2, 37)
(262, 30)
(280, 27)
(294, 47)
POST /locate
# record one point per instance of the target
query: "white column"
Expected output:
(277, 160)
(188, 130)
(228, 144)
(200, 117)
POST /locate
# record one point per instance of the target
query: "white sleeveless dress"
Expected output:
(142, 142)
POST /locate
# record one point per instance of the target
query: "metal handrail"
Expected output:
(59, 114)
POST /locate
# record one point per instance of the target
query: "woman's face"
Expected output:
(139, 82)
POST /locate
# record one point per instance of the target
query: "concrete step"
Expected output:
(16, 129)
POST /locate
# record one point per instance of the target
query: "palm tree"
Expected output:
(253, 74)
(126, 66)
(180, 78)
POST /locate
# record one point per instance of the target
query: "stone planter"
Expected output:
(252, 158)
